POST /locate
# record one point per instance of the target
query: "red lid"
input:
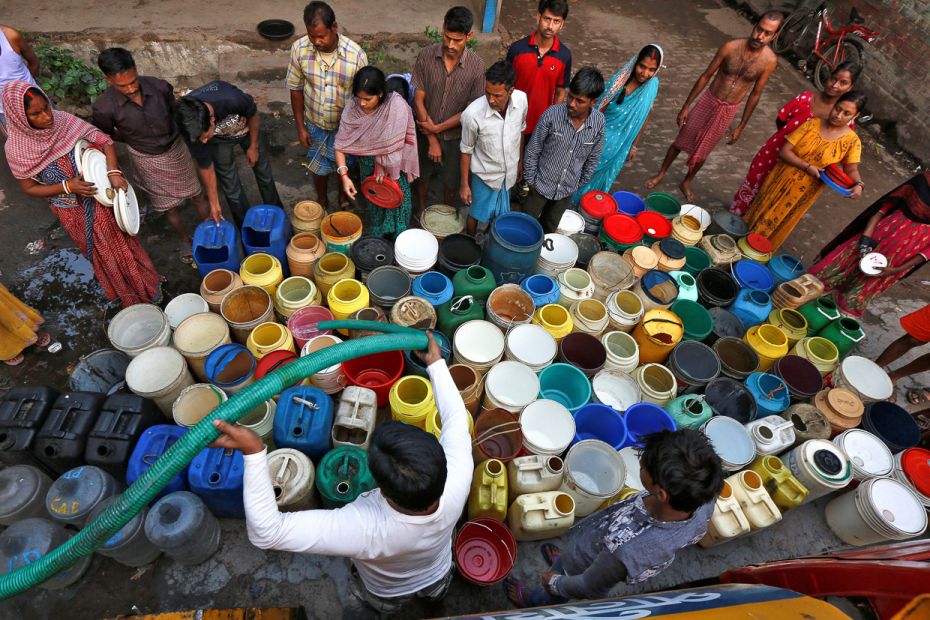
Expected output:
(622, 228)
(837, 174)
(916, 465)
(598, 204)
(485, 551)
(386, 194)
(654, 224)
(759, 243)
(273, 361)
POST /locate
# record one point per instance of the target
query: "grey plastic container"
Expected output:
(77, 492)
(25, 542)
(182, 526)
(22, 493)
(129, 546)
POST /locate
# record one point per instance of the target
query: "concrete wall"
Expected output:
(897, 65)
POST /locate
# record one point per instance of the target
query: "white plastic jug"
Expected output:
(535, 473)
(355, 417)
(537, 516)
(754, 500)
(771, 434)
(727, 522)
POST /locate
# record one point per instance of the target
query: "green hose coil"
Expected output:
(96, 533)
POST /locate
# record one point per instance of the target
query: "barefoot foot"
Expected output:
(651, 183)
(685, 187)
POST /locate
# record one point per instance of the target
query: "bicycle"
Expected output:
(831, 46)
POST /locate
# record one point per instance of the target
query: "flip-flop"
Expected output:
(550, 552)
(516, 597)
(916, 396)
(14, 361)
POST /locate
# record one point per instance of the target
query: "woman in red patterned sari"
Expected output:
(795, 113)
(39, 150)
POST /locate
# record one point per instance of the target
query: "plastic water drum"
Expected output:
(216, 476)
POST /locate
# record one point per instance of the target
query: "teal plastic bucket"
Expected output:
(565, 384)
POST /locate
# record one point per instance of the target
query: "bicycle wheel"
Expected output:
(792, 31)
(851, 50)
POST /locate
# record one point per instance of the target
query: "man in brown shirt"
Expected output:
(447, 77)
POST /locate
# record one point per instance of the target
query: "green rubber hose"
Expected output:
(179, 455)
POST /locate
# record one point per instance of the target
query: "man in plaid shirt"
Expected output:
(319, 76)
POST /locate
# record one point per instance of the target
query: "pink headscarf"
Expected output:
(29, 150)
(388, 134)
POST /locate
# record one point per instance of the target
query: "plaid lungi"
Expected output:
(169, 178)
(707, 124)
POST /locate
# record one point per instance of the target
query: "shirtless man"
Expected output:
(739, 66)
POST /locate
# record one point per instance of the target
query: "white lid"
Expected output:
(631, 463)
(154, 369)
(512, 383)
(572, 221)
(867, 377)
(897, 505)
(866, 451)
(872, 263)
(564, 250)
(416, 246)
(478, 341)
(532, 344)
(730, 439)
(548, 425)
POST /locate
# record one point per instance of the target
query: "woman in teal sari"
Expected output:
(626, 104)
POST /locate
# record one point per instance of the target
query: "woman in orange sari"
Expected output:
(794, 185)
(19, 328)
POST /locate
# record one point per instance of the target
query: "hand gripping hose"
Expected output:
(143, 490)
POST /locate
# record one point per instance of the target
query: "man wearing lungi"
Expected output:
(139, 111)
(740, 67)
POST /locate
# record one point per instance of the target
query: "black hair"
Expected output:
(32, 93)
(115, 60)
(588, 82)
(773, 15)
(408, 464)
(856, 96)
(501, 73)
(650, 51)
(397, 84)
(853, 68)
(319, 12)
(369, 80)
(458, 19)
(556, 7)
(685, 465)
(192, 117)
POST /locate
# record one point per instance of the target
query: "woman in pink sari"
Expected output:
(795, 113)
(378, 128)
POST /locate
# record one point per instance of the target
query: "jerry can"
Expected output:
(22, 412)
(304, 421)
(537, 516)
(77, 492)
(488, 497)
(129, 546)
(727, 522)
(689, 411)
(216, 246)
(63, 436)
(29, 540)
(181, 525)
(786, 491)
(355, 417)
(266, 229)
(292, 478)
(754, 500)
(771, 434)
(154, 442)
(22, 493)
(215, 476)
(121, 421)
(343, 475)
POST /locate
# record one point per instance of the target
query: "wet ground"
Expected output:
(58, 282)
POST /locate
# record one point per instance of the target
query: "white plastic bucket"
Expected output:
(864, 378)
(731, 441)
(195, 402)
(548, 427)
(416, 250)
(594, 473)
(616, 389)
(183, 306)
(510, 386)
(622, 351)
(197, 336)
(657, 382)
(479, 344)
(803, 462)
(868, 455)
(261, 420)
(878, 510)
(557, 254)
(158, 374)
(624, 310)
(532, 345)
(331, 380)
(138, 328)
(570, 223)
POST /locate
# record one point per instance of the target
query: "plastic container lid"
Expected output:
(867, 452)
(385, 194)
(869, 378)
(897, 505)
(623, 228)
(512, 383)
(644, 257)
(654, 224)
(548, 425)
(845, 403)
(598, 204)
(532, 344)
(673, 248)
(478, 341)
(631, 463)
(916, 465)
(759, 243)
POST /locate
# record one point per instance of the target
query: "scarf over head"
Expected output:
(621, 77)
(29, 150)
(388, 134)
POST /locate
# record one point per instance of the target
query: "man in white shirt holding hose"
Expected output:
(398, 536)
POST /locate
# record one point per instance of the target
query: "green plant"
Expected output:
(435, 35)
(65, 76)
(376, 57)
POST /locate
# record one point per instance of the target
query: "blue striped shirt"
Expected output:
(559, 159)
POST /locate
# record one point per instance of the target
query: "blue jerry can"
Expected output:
(267, 229)
(154, 442)
(215, 476)
(216, 247)
(304, 421)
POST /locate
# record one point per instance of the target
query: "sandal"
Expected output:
(550, 552)
(14, 361)
(514, 589)
(44, 339)
(916, 396)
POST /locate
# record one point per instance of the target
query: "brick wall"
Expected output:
(897, 67)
